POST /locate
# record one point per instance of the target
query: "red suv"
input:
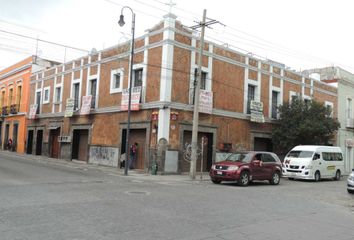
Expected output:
(244, 167)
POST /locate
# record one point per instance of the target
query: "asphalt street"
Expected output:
(42, 198)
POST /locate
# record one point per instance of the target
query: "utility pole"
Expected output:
(194, 155)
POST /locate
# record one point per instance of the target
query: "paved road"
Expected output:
(44, 198)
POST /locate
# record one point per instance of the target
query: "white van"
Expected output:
(313, 162)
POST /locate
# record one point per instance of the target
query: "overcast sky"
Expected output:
(301, 34)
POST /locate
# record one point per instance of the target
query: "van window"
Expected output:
(300, 154)
(332, 156)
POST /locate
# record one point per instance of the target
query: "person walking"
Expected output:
(133, 153)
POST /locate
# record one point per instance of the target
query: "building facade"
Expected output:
(81, 105)
(344, 81)
(14, 96)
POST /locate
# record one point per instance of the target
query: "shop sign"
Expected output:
(174, 116)
(66, 139)
(155, 116)
(349, 142)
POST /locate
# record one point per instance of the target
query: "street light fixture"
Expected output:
(121, 23)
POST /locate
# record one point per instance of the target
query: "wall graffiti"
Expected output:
(107, 156)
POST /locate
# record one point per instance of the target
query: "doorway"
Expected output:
(39, 142)
(14, 137)
(263, 144)
(136, 136)
(80, 145)
(6, 139)
(54, 143)
(29, 146)
(207, 153)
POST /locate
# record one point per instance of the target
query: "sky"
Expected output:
(301, 34)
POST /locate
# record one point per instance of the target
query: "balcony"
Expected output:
(5, 110)
(14, 108)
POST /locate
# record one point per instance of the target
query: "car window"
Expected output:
(239, 157)
(266, 157)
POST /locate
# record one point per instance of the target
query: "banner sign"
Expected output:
(69, 109)
(257, 112)
(33, 111)
(86, 105)
(205, 101)
(135, 99)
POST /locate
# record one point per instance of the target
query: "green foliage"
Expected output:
(303, 123)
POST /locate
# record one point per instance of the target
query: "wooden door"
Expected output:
(54, 134)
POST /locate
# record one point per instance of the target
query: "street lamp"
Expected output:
(121, 23)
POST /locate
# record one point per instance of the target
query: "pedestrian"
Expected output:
(9, 144)
(133, 153)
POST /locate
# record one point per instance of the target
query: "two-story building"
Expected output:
(82, 105)
(344, 81)
(14, 96)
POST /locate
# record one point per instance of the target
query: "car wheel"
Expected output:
(350, 191)
(275, 178)
(317, 176)
(244, 179)
(291, 178)
(337, 176)
(215, 181)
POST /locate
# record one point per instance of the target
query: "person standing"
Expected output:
(133, 153)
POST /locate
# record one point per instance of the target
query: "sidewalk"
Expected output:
(136, 174)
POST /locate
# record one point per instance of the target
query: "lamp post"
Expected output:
(121, 23)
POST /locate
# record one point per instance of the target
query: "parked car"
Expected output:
(313, 162)
(247, 166)
(350, 182)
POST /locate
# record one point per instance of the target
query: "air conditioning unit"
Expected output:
(350, 123)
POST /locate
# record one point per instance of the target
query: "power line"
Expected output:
(45, 41)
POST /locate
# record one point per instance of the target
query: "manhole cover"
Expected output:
(137, 193)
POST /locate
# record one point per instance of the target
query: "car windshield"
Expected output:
(300, 154)
(239, 157)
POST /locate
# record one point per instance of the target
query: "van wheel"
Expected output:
(337, 176)
(244, 179)
(275, 178)
(350, 191)
(317, 176)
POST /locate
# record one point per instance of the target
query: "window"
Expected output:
(250, 97)
(76, 95)
(46, 95)
(2, 98)
(275, 96)
(117, 77)
(92, 92)
(11, 93)
(202, 79)
(38, 100)
(349, 108)
(18, 97)
(267, 158)
(329, 106)
(57, 94)
(138, 77)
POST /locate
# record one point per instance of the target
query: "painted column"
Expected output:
(166, 76)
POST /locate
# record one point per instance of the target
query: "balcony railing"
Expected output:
(14, 108)
(5, 110)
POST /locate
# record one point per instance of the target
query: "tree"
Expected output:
(303, 123)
